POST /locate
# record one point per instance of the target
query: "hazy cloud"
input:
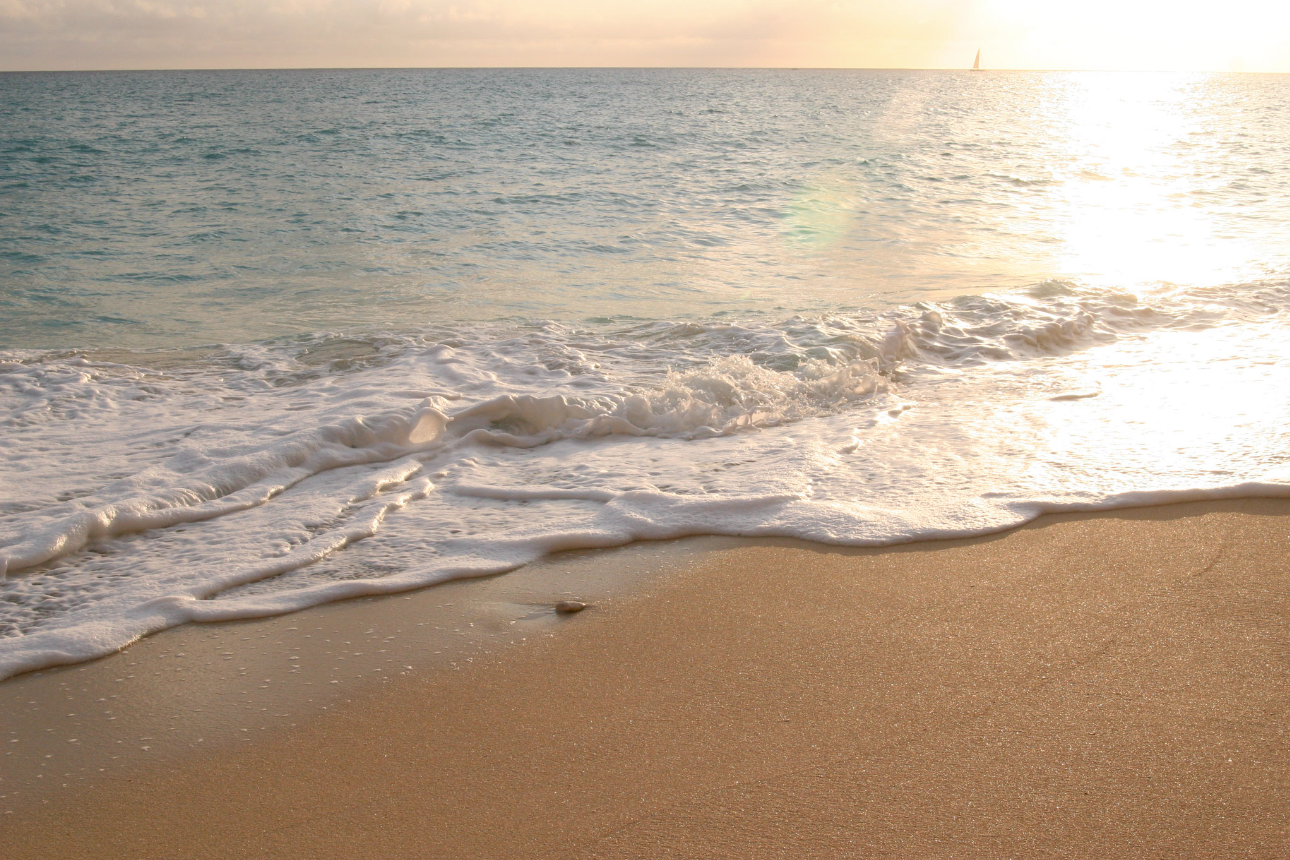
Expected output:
(75, 34)
(135, 33)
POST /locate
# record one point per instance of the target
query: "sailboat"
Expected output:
(976, 64)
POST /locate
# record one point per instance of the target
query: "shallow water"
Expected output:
(272, 339)
(199, 207)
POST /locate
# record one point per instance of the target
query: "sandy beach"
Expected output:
(1101, 685)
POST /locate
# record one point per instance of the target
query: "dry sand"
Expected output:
(1111, 685)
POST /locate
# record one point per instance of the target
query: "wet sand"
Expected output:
(1110, 685)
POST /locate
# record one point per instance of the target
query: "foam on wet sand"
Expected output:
(1109, 685)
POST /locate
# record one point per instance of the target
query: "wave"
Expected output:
(234, 481)
(832, 362)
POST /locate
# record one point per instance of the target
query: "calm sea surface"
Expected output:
(269, 339)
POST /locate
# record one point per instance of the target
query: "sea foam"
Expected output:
(147, 490)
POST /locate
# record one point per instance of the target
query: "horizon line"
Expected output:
(621, 68)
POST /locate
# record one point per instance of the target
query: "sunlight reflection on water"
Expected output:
(175, 208)
(1125, 181)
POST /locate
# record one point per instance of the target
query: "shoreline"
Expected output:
(1066, 687)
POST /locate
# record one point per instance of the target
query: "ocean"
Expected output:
(272, 339)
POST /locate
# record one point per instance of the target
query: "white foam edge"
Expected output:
(245, 482)
(253, 479)
(42, 649)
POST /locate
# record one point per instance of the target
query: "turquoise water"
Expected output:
(181, 208)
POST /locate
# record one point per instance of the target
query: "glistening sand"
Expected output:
(1089, 685)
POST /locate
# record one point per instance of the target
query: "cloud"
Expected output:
(915, 33)
(179, 33)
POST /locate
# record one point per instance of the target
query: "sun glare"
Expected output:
(1128, 199)
(1137, 35)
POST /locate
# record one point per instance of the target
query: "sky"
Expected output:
(1235, 35)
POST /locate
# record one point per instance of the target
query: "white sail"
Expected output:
(976, 64)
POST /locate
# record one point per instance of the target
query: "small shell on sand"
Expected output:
(570, 606)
